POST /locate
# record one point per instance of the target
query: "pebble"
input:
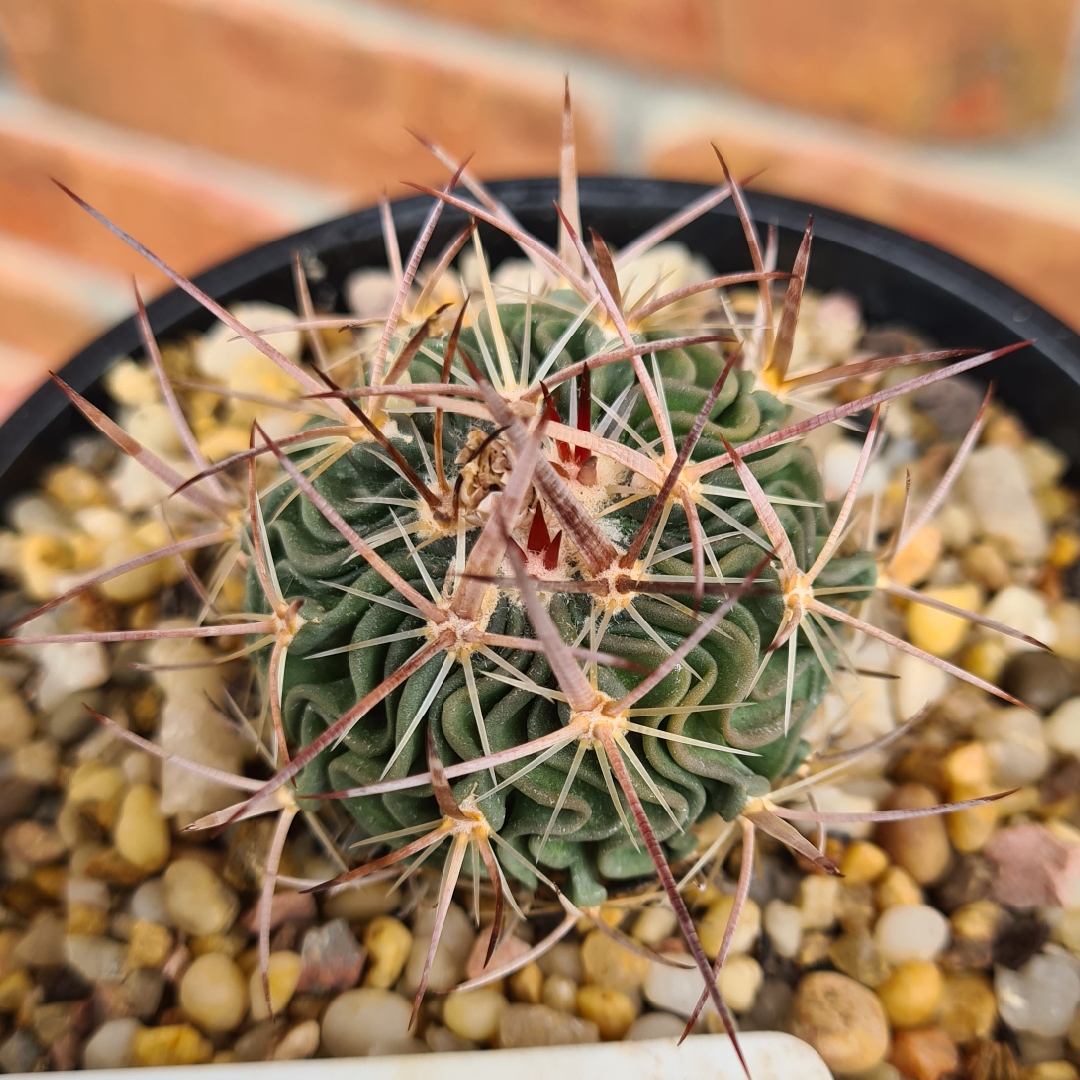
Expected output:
(918, 684)
(917, 557)
(1035, 868)
(32, 842)
(911, 932)
(1025, 610)
(359, 1021)
(96, 959)
(983, 563)
(19, 1053)
(712, 927)
(998, 493)
(740, 981)
(653, 924)
(674, 989)
(527, 984)
(607, 963)
(506, 952)
(1050, 1070)
(919, 845)
(474, 1014)
(783, 924)
(978, 921)
(37, 762)
(361, 903)
(453, 949)
(331, 958)
(283, 975)
(857, 955)
(171, 1044)
(286, 906)
(388, 943)
(112, 1046)
(142, 834)
(611, 1010)
(442, 1040)
(655, 1025)
(214, 993)
(16, 720)
(540, 1025)
(1062, 728)
(299, 1042)
(925, 1054)
(1040, 997)
(938, 632)
(897, 888)
(968, 1008)
(911, 994)
(1042, 681)
(841, 1019)
(1065, 615)
(1017, 746)
(198, 901)
(560, 993)
(563, 959)
(149, 945)
(148, 902)
(863, 863)
(818, 896)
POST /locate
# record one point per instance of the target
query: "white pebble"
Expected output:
(911, 932)
(654, 924)
(96, 959)
(817, 901)
(219, 350)
(1040, 997)
(655, 1025)
(1016, 743)
(111, 1046)
(454, 946)
(783, 924)
(834, 799)
(148, 902)
(360, 1020)
(198, 901)
(999, 494)
(675, 989)
(918, 684)
(1062, 728)
(1025, 610)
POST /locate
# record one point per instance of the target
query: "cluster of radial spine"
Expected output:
(546, 454)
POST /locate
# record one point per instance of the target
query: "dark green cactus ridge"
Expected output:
(588, 839)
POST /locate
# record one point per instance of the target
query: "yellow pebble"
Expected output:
(282, 973)
(527, 984)
(712, 927)
(220, 442)
(897, 887)
(985, 658)
(938, 632)
(608, 963)
(863, 862)
(968, 1008)
(1064, 548)
(173, 1044)
(917, 557)
(388, 944)
(83, 919)
(142, 833)
(977, 921)
(75, 487)
(149, 945)
(968, 764)
(1065, 615)
(474, 1014)
(1066, 930)
(611, 1010)
(560, 993)
(911, 993)
(1049, 1070)
(43, 558)
(740, 982)
(969, 830)
(13, 988)
(213, 993)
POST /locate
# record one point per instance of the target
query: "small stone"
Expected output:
(331, 958)
(1035, 868)
(740, 981)
(112, 1046)
(299, 1042)
(863, 863)
(198, 901)
(911, 932)
(983, 563)
(359, 1021)
(527, 984)
(142, 834)
(712, 927)
(563, 959)
(442, 1040)
(1065, 615)
(453, 949)
(1041, 997)
(1050, 1070)
(999, 494)
(783, 924)
(560, 993)
(970, 829)
(1066, 930)
(911, 993)
(171, 1044)
(655, 1025)
(96, 959)
(611, 965)
(148, 902)
(1042, 681)
(611, 1010)
(540, 1025)
(674, 989)
(918, 684)
(284, 907)
(16, 720)
(283, 974)
(1025, 610)
(653, 925)
(1019, 938)
(388, 943)
(361, 903)
(1062, 728)
(506, 952)
(1036, 1049)
(33, 842)
(855, 909)
(841, 1019)
(925, 1054)
(968, 1008)
(896, 889)
(149, 945)
(213, 992)
(859, 957)
(19, 1053)
(919, 845)
(978, 921)
(814, 948)
(37, 762)
(935, 631)
(818, 895)
(970, 880)
(474, 1014)
(14, 987)
(911, 564)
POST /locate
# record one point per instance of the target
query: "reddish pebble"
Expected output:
(925, 1054)
(506, 951)
(331, 958)
(1034, 867)
(285, 906)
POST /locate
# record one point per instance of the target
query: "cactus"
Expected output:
(554, 577)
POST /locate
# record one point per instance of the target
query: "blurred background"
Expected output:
(206, 126)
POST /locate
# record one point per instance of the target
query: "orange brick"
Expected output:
(308, 90)
(953, 69)
(183, 207)
(1032, 245)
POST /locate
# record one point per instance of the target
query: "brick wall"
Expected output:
(205, 126)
